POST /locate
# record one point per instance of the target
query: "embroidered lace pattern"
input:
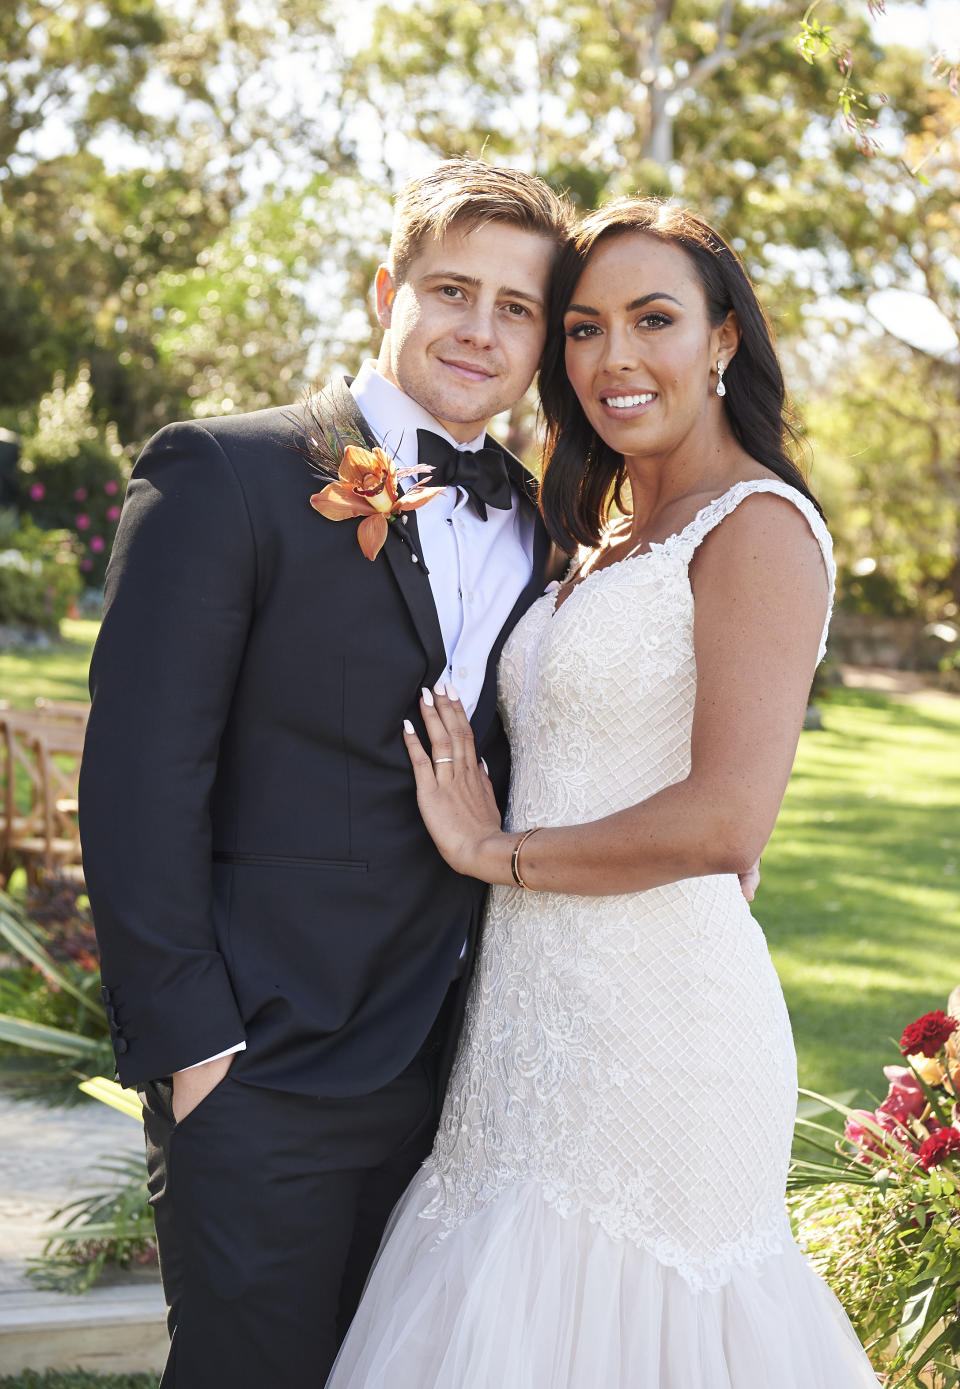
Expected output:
(630, 1055)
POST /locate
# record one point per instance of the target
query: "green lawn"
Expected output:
(859, 895)
(60, 673)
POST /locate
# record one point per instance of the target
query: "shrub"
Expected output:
(72, 473)
(39, 575)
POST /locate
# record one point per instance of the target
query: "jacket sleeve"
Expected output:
(179, 598)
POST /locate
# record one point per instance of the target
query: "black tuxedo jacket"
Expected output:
(254, 856)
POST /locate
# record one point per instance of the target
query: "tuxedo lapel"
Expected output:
(526, 485)
(402, 546)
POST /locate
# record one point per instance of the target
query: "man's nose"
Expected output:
(478, 325)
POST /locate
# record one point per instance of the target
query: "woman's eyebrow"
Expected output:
(634, 303)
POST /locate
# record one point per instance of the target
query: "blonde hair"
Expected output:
(466, 193)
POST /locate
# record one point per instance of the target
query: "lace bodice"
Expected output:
(629, 1054)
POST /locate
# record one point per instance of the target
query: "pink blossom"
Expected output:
(96, 544)
(86, 564)
(855, 1131)
(80, 495)
(113, 513)
(82, 522)
(905, 1099)
(110, 488)
(37, 492)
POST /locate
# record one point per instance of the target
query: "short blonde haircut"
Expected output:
(466, 193)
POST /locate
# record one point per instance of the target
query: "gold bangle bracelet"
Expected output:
(515, 859)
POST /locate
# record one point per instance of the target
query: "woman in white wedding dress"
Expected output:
(604, 1204)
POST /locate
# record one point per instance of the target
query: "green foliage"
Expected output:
(72, 472)
(885, 1234)
(39, 575)
(111, 1228)
(50, 1007)
(236, 328)
(892, 458)
(88, 58)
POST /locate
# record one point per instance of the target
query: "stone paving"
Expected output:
(47, 1158)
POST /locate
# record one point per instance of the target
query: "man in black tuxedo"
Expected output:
(284, 953)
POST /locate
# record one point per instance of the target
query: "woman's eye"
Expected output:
(655, 320)
(582, 330)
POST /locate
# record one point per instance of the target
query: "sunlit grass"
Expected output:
(60, 673)
(859, 897)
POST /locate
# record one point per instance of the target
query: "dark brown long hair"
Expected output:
(582, 475)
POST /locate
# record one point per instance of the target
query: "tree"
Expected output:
(82, 61)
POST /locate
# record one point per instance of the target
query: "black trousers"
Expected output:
(269, 1210)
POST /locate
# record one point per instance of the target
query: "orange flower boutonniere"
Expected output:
(367, 486)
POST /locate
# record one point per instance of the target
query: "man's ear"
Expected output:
(385, 292)
(727, 339)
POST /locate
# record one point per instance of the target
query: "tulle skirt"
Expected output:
(520, 1297)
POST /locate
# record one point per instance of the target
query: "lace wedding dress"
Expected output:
(604, 1204)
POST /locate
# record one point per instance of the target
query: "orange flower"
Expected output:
(367, 486)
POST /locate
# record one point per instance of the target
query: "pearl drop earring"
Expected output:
(721, 388)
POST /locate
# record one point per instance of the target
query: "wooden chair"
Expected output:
(39, 829)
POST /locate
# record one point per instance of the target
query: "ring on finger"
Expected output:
(438, 760)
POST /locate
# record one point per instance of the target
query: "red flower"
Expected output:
(938, 1147)
(928, 1034)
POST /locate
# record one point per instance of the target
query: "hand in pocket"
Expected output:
(192, 1087)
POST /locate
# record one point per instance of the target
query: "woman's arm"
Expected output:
(761, 595)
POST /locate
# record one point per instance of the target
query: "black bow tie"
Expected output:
(482, 474)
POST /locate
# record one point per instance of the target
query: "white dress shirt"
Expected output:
(477, 569)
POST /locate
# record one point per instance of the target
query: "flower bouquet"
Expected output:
(880, 1220)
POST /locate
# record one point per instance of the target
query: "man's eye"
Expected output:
(518, 310)
(451, 291)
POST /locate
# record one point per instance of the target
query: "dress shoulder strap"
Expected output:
(710, 516)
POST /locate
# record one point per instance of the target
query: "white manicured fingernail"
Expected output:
(407, 726)
(452, 693)
(439, 688)
(427, 697)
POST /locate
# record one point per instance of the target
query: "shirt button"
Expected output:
(449, 520)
